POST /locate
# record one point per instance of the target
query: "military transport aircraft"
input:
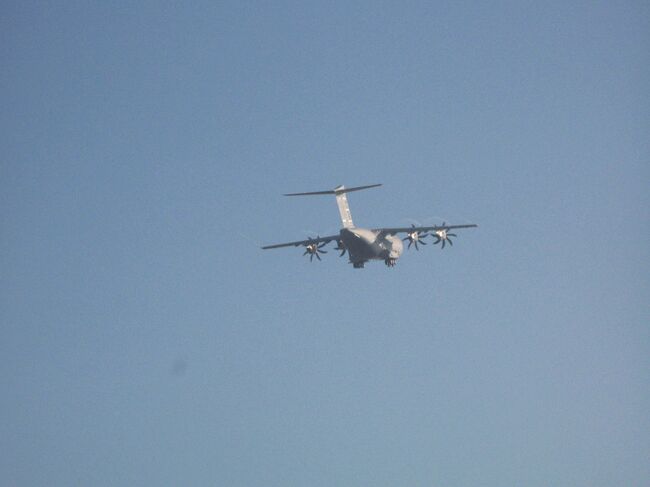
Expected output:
(363, 244)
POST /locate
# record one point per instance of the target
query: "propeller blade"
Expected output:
(437, 241)
(416, 245)
(317, 256)
(443, 243)
(322, 251)
(405, 239)
(452, 235)
(450, 242)
(322, 245)
(410, 243)
(341, 247)
(311, 257)
(422, 243)
(306, 252)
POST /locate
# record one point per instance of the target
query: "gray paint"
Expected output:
(363, 244)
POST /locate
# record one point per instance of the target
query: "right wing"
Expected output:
(309, 241)
(413, 228)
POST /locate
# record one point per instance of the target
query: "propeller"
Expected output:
(341, 247)
(414, 237)
(313, 249)
(443, 235)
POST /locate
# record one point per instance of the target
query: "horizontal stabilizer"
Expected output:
(338, 190)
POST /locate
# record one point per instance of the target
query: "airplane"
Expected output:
(364, 244)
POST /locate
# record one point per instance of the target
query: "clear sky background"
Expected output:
(146, 339)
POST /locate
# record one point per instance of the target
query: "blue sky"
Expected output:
(145, 338)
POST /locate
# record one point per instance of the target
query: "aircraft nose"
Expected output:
(397, 247)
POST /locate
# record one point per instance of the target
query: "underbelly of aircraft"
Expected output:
(363, 245)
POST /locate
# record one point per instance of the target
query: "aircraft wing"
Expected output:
(309, 241)
(411, 229)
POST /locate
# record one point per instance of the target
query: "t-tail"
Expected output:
(341, 200)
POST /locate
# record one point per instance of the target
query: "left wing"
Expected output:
(309, 241)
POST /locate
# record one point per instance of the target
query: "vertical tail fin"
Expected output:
(344, 208)
(341, 201)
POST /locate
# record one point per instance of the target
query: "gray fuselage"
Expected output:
(363, 245)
